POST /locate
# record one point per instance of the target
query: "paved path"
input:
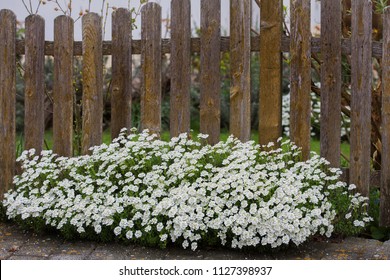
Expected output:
(17, 244)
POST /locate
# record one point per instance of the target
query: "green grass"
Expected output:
(315, 143)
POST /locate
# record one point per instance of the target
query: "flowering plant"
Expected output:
(145, 190)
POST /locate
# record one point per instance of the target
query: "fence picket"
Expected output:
(63, 86)
(34, 78)
(210, 80)
(270, 96)
(361, 75)
(151, 68)
(92, 127)
(121, 92)
(384, 218)
(330, 81)
(180, 66)
(7, 99)
(240, 58)
(300, 54)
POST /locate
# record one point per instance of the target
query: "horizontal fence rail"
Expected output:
(269, 45)
(315, 44)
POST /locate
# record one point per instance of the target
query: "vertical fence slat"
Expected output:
(121, 71)
(361, 71)
(270, 96)
(331, 81)
(300, 51)
(210, 86)
(34, 78)
(7, 99)
(180, 66)
(240, 57)
(151, 68)
(384, 217)
(92, 82)
(63, 86)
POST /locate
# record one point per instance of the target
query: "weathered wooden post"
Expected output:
(63, 86)
(151, 68)
(300, 52)
(121, 71)
(34, 77)
(180, 66)
(240, 59)
(384, 217)
(210, 77)
(361, 75)
(7, 99)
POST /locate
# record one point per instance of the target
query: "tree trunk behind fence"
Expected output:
(92, 128)
(270, 96)
(7, 99)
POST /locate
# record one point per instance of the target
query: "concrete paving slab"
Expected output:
(73, 250)
(111, 252)
(18, 244)
(39, 246)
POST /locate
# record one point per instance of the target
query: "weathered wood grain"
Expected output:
(121, 88)
(330, 81)
(210, 78)
(92, 102)
(384, 214)
(270, 95)
(63, 86)
(34, 78)
(300, 81)
(240, 59)
(151, 68)
(180, 67)
(7, 99)
(361, 72)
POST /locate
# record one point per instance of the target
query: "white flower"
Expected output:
(129, 234)
(159, 227)
(357, 223)
(194, 245)
(185, 244)
(182, 190)
(138, 234)
(98, 229)
(117, 231)
(163, 237)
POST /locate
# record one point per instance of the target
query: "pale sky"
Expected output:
(47, 11)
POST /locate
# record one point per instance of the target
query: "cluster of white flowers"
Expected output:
(140, 187)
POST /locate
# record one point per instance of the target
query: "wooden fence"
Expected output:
(270, 44)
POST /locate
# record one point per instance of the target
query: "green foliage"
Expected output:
(375, 231)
